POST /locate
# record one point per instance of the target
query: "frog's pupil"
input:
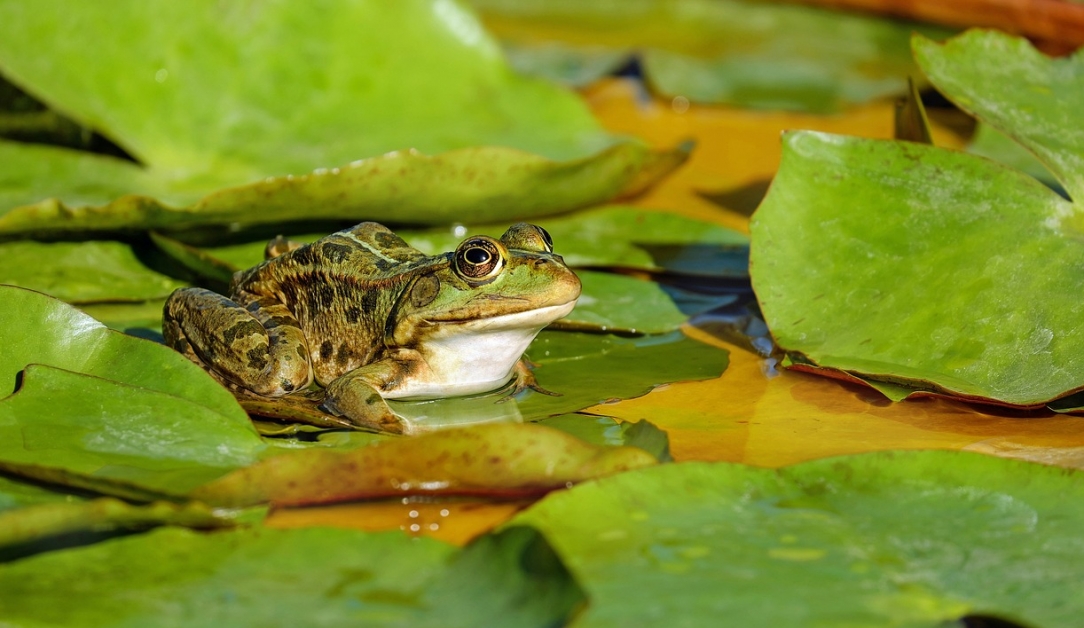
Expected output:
(546, 238)
(476, 256)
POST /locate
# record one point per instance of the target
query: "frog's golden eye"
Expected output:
(528, 237)
(479, 259)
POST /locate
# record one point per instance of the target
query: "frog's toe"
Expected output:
(363, 409)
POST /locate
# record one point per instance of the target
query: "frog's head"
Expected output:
(515, 283)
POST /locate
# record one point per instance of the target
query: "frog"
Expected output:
(368, 318)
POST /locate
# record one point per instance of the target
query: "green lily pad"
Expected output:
(270, 114)
(502, 459)
(1005, 82)
(928, 269)
(37, 329)
(82, 272)
(89, 432)
(920, 266)
(754, 54)
(306, 577)
(604, 430)
(617, 303)
(891, 538)
(616, 237)
(101, 410)
(37, 523)
(589, 369)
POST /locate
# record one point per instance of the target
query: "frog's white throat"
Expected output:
(470, 357)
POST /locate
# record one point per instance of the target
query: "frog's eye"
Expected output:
(478, 259)
(528, 237)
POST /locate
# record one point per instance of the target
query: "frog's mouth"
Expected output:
(533, 318)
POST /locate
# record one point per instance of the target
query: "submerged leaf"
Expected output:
(308, 577)
(894, 538)
(497, 460)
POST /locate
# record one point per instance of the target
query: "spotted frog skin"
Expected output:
(369, 318)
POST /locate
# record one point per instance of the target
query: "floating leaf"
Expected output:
(284, 91)
(616, 236)
(82, 272)
(620, 304)
(1007, 83)
(37, 523)
(499, 460)
(756, 54)
(921, 266)
(37, 329)
(895, 538)
(102, 410)
(604, 430)
(78, 429)
(310, 577)
(589, 369)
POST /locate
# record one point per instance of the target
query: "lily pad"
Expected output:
(310, 577)
(88, 432)
(589, 369)
(1007, 83)
(617, 237)
(37, 523)
(493, 460)
(83, 272)
(37, 329)
(893, 538)
(98, 409)
(926, 268)
(920, 266)
(754, 54)
(267, 119)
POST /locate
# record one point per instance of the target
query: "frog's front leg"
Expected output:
(258, 347)
(358, 394)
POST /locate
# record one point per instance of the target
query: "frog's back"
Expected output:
(341, 289)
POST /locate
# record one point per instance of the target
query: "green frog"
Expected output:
(370, 318)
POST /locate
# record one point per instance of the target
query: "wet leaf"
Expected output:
(615, 236)
(604, 430)
(756, 54)
(269, 115)
(101, 410)
(37, 329)
(902, 538)
(311, 577)
(921, 266)
(589, 369)
(34, 524)
(617, 303)
(1007, 83)
(89, 432)
(82, 272)
(494, 460)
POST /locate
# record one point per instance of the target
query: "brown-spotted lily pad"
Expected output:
(501, 460)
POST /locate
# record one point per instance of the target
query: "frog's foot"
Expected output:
(360, 403)
(525, 379)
